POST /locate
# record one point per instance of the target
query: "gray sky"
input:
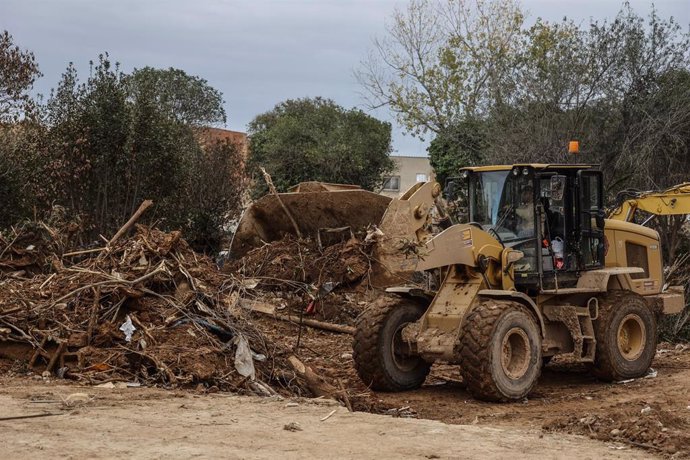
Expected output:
(257, 52)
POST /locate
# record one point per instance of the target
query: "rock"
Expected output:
(292, 426)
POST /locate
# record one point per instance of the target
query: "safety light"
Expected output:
(574, 147)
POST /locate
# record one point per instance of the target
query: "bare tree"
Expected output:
(442, 61)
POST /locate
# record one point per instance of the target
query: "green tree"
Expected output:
(316, 139)
(457, 147)
(186, 98)
(18, 72)
(112, 143)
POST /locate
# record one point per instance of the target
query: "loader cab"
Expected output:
(553, 214)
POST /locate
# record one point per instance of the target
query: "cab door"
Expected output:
(590, 219)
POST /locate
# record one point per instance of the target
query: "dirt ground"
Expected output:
(568, 412)
(650, 413)
(92, 422)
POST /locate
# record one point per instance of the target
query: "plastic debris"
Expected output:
(258, 356)
(243, 358)
(128, 328)
(651, 373)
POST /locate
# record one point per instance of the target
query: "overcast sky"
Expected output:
(257, 52)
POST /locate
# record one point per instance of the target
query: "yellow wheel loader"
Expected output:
(538, 271)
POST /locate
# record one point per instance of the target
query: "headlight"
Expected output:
(525, 171)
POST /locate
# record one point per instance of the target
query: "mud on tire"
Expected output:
(378, 352)
(626, 335)
(500, 351)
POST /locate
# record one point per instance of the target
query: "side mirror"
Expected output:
(557, 187)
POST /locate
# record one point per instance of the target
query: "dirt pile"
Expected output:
(651, 427)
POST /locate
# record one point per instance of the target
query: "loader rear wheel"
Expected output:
(382, 358)
(626, 337)
(500, 351)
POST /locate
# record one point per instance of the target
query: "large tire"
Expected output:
(381, 358)
(500, 351)
(626, 335)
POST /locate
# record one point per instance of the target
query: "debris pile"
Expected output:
(302, 260)
(33, 247)
(147, 309)
(300, 277)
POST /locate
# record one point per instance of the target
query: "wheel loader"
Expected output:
(537, 271)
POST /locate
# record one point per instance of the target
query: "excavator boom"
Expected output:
(671, 202)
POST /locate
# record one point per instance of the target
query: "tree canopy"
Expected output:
(186, 98)
(18, 72)
(316, 139)
(619, 87)
(102, 146)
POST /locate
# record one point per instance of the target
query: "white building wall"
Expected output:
(408, 171)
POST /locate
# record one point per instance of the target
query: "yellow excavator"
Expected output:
(537, 271)
(671, 202)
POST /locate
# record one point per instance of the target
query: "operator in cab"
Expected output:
(525, 214)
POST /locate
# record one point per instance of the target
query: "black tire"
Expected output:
(626, 334)
(378, 351)
(500, 351)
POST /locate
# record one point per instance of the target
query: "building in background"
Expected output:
(408, 171)
(209, 135)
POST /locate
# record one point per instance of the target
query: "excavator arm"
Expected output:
(672, 202)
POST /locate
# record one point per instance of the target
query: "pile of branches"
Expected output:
(146, 309)
(304, 261)
(33, 247)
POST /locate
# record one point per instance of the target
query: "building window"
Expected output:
(392, 184)
(421, 177)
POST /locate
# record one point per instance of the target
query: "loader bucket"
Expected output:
(314, 206)
(404, 229)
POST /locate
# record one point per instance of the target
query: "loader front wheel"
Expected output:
(626, 337)
(500, 351)
(383, 360)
